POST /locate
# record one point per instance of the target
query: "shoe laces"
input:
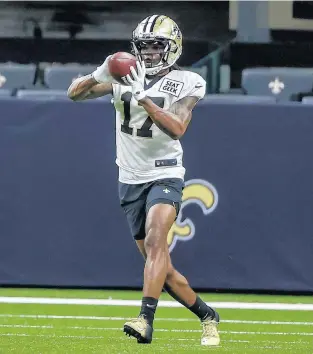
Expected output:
(209, 328)
(141, 319)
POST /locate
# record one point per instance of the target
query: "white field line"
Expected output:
(26, 326)
(167, 339)
(268, 322)
(166, 330)
(47, 335)
(104, 318)
(101, 337)
(162, 303)
(242, 341)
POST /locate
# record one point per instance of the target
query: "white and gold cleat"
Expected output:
(140, 329)
(210, 336)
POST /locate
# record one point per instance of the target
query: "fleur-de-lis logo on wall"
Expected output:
(3, 80)
(201, 193)
(276, 86)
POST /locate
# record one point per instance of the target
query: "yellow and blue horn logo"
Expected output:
(196, 191)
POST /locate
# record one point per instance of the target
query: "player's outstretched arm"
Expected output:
(175, 120)
(86, 87)
(97, 84)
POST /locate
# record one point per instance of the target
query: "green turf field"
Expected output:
(42, 321)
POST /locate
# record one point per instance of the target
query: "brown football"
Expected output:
(119, 65)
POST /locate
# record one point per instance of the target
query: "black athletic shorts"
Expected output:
(137, 199)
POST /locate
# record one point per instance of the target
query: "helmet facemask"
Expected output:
(160, 47)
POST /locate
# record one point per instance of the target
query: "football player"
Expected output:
(153, 110)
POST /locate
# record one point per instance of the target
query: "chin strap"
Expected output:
(157, 68)
(154, 71)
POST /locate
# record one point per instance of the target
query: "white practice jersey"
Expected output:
(144, 152)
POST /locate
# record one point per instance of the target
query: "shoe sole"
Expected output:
(212, 343)
(132, 332)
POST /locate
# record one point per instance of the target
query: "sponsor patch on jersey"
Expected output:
(171, 86)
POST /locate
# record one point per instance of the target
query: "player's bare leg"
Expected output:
(175, 282)
(178, 287)
(159, 220)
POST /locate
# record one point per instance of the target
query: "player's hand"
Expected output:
(102, 74)
(141, 72)
(136, 80)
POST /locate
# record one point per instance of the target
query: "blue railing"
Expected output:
(212, 62)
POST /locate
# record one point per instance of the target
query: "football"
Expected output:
(119, 65)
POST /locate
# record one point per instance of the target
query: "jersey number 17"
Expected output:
(145, 130)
